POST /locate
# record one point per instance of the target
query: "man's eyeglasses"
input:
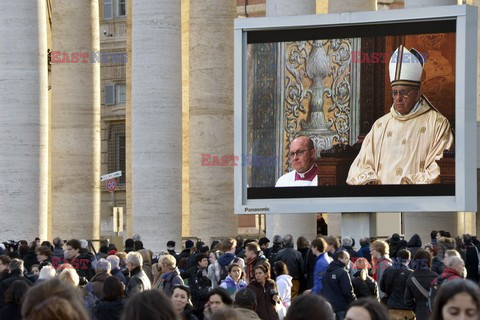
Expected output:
(403, 93)
(298, 153)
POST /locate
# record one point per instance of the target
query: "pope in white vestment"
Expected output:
(403, 146)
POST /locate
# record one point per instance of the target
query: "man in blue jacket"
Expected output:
(337, 286)
(321, 264)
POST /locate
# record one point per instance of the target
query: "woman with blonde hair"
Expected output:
(170, 274)
(70, 276)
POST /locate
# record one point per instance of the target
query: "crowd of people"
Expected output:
(236, 279)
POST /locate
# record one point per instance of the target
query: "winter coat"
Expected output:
(471, 263)
(11, 311)
(437, 265)
(414, 244)
(29, 260)
(139, 282)
(294, 261)
(199, 286)
(250, 267)
(109, 310)
(321, 265)
(119, 274)
(364, 252)
(309, 267)
(393, 283)
(364, 288)
(448, 274)
(7, 281)
(265, 304)
(379, 268)
(353, 254)
(337, 286)
(169, 280)
(233, 287)
(414, 299)
(214, 273)
(284, 285)
(97, 284)
(58, 252)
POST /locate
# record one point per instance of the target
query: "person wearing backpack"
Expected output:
(418, 284)
(454, 268)
(393, 283)
(228, 246)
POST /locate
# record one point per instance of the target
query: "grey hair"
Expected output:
(453, 261)
(102, 266)
(47, 273)
(114, 261)
(83, 244)
(288, 241)
(347, 241)
(135, 258)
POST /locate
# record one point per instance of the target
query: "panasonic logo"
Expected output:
(265, 209)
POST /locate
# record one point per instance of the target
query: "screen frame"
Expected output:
(465, 198)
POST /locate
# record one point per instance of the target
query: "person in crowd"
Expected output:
(200, 247)
(181, 302)
(347, 245)
(379, 250)
(30, 257)
(294, 261)
(15, 272)
(4, 261)
(302, 159)
(214, 270)
(228, 247)
(471, 258)
(454, 269)
(414, 244)
(303, 246)
(102, 272)
(199, 284)
(396, 244)
(13, 298)
(309, 268)
(264, 243)
(103, 252)
(240, 250)
(115, 268)
(364, 251)
(337, 286)
(310, 306)
(47, 273)
(171, 248)
(53, 300)
(363, 285)
(284, 283)
(443, 244)
(333, 244)
(58, 248)
(252, 259)
(234, 281)
(394, 282)
(245, 304)
(418, 284)
(189, 246)
(44, 256)
(225, 314)
(457, 299)
(266, 292)
(218, 299)
(147, 262)
(129, 245)
(367, 309)
(271, 253)
(170, 274)
(69, 275)
(82, 262)
(149, 305)
(437, 262)
(321, 263)
(112, 304)
(139, 281)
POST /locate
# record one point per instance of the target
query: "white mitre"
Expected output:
(406, 67)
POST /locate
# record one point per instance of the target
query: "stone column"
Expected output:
(211, 118)
(423, 223)
(156, 128)
(23, 120)
(75, 120)
(300, 224)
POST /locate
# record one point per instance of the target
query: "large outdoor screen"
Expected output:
(328, 78)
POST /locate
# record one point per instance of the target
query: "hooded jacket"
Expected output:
(337, 286)
(233, 287)
(414, 244)
(284, 285)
